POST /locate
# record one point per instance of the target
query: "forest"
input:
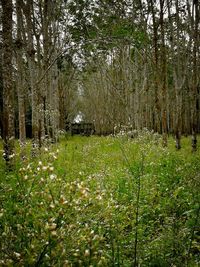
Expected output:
(99, 130)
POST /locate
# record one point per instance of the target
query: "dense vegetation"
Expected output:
(102, 201)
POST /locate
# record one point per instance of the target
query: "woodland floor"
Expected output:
(102, 201)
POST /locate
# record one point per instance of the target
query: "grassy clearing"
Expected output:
(102, 201)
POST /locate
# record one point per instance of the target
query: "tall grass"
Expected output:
(102, 201)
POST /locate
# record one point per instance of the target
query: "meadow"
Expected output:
(102, 201)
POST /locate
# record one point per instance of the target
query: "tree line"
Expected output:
(118, 62)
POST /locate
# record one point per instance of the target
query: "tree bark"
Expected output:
(8, 88)
(195, 75)
(27, 9)
(163, 75)
(20, 76)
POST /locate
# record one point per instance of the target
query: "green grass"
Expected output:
(76, 204)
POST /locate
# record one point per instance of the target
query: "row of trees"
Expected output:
(118, 62)
(151, 78)
(33, 38)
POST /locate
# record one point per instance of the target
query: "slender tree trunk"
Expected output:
(178, 74)
(8, 88)
(195, 79)
(157, 108)
(20, 78)
(178, 84)
(32, 73)
(163, 75)
(1, 94)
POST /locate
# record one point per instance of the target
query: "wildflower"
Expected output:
(54, 156)
(19, 226)
(44, 168)
(51, 168)
(99, 197)
(52, 176)
(92, 232)
(52, 226)
(17, 255)
(79, 186)
(84, 192)
(87, 253)
(75, 254)
(66, 262)
(52, 206)
(95, 237)
(11, 156)
(54, 233)
(28, 167)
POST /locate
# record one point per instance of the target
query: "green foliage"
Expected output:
(103, 25)
(76, 204)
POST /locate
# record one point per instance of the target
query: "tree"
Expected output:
(20, 74)
(8, 88)
(195, 19)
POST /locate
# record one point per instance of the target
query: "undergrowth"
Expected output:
(102, 201)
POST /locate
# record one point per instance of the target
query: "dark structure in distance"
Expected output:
(82, 128)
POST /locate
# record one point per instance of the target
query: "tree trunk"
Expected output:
(28, 8)
(195, 79)
(163, 75)
(157, 108)
(8, 88)
(20, 80)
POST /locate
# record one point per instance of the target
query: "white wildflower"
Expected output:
(52, 206)
(53, 176)
(18, 255)
(51, 168)
(87, 253)
(44, 168)
(11, 156)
